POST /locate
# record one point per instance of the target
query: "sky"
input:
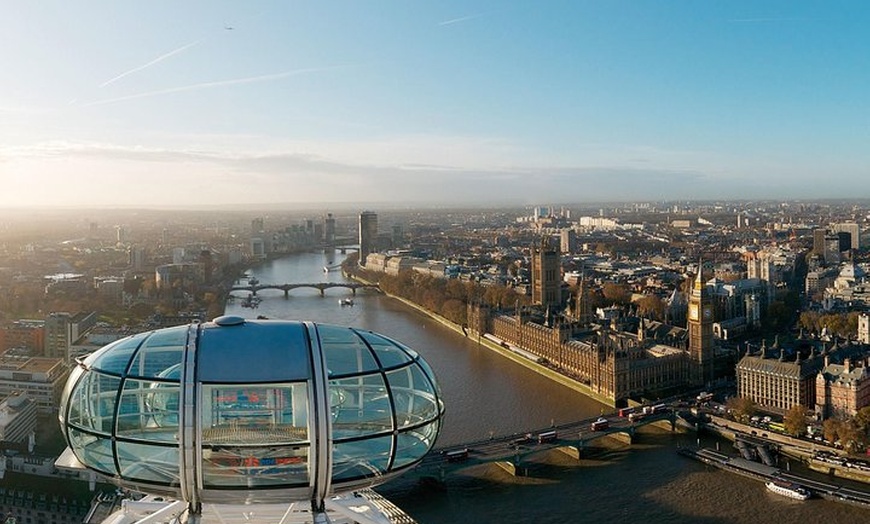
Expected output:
(215, 103)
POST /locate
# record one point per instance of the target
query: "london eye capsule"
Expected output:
(241, 411)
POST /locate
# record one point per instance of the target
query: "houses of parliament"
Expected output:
(616, 357)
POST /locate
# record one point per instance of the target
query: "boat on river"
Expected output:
(251, 301)
(788, 489)
(345, 302)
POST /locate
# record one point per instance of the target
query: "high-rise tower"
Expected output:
(546, 268)
(368, 234)
(700, 326)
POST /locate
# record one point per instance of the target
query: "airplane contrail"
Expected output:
(460, 19)
(151, 63)
(218, 83)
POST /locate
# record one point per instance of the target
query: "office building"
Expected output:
(42, 379)
(329, 230)
(850, 228)
(24, 334)
(368, 234)
(17, 419)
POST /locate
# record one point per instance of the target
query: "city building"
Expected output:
(546, 275)
(58, 335)
(329, 230)
(110, 288)
(850, 228)
(777, 378)
(17, 420)
(864, 328)
(568, 241)
(169, 276)
(137, 258)
(776, 383)
(42, 379)
(26, 334)
(368, 234)
(842, 389)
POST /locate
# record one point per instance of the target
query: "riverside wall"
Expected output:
(505, 352)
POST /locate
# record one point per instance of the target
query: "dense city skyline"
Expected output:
(110, 104)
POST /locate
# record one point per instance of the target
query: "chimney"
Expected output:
(827, 360)
(847, 365)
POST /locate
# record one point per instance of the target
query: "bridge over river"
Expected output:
(320, 286)
(509, 451)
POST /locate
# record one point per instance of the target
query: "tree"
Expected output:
(794, 420)
(829, 429)
(651, 306)
(616, 293)
(847, 433)
(741, 408)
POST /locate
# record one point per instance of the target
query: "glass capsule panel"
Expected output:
(160, 355)
(148, 462)
(359, 406)
(388, 353)
(414, 400)
(93, 451)
(115, 357)
(149, 411)
(254, 414)
(413, 444)
(346, 353)
(361, 458)
(254, 467)
(92, 403)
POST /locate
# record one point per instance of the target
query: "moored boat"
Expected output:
(788, 489)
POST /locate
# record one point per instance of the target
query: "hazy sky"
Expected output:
(174, 103)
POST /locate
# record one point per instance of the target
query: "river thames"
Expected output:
(486, 394)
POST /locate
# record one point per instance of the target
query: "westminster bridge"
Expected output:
(510, 451)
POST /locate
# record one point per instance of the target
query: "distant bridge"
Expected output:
(320, 286)
(509, 451)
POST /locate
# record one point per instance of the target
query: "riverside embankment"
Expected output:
(516, 356)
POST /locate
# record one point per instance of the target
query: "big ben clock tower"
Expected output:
(700, 330)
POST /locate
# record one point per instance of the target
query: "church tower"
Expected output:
(700, 327)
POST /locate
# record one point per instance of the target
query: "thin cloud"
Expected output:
(219, 83)
(764, 20)
(460, 19)
(150, 63)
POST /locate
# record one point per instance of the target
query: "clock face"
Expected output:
(707, 313)
(693, 311)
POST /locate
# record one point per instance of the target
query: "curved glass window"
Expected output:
(115, 357)
(364, 407)
(149, 411)
(92, 405)
(147, 462)
(388, 353)
(413, 397)
(361, 459)
(412, 445)
(159, 353)
(345, 352)
(93, 450)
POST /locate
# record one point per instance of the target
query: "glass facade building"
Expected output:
(239, 410)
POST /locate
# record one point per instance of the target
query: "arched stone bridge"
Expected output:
(320, 286)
